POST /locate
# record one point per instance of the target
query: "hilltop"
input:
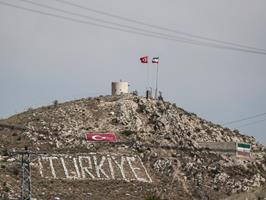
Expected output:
(159, 153)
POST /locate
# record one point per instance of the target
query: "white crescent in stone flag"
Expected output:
(100, 137)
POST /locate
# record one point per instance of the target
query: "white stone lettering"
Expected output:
(98, 167)
(40, 166)
(76, 167)
(85, 170)
(120, 166)
(133, 169)
(64, 166)
(150, 180)
(52, 166)
(93, 166)
(111, 166)
(66, 170)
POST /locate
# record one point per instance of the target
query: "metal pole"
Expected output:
(156, 90)
(26, 193)
(148, 77)
(26, 176)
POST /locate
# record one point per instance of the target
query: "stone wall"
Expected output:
(220, 147)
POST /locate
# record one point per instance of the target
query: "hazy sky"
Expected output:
(43, 58)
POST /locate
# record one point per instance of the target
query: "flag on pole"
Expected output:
(155, 60)
(144, 59)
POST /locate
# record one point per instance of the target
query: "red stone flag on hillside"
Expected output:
(144, 59)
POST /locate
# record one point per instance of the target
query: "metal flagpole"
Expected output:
(148, 76)
(156, 90)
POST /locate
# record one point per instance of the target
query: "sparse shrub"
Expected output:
(5, 187)
(142, 108)
(260, 195)
(37, 119)
(19, 138)
(88, 128)
(193, 114)
(14, 134)
(30, 109)
(236, 131)
(4, 152)
(128, 132)
(152, 198)
(197, 130)
(4, 197)
(209, 131)
(55, 103)
(114, 121)
(227, 129)
(14, 170)
(135, 93)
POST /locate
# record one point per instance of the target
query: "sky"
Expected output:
(46, 58)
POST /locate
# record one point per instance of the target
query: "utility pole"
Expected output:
(26, 172)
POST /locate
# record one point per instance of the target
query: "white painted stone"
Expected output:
(120, 165)
(109, 159)
(94, 166)
(98, 167)
(52, 166)
(130, 161)
(85, 170)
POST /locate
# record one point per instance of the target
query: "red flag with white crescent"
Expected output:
(144, 59)
(100, 137)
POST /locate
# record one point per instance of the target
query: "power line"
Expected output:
(244, 119)
(103, 21)
(158, 27)
(139, 33)
(255, 122)
(131, 31)
(115, 24)
(72, 19)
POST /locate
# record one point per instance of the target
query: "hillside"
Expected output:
(159, 153)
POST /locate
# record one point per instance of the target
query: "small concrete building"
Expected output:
(237, 149)
(119, 88)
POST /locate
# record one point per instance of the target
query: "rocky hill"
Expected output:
(159, 153)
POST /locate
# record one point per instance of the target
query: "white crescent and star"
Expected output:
(98, 137)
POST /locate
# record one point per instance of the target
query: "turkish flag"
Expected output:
(144, 59)
(100, 137)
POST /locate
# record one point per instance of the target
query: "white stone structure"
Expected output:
(119, 88)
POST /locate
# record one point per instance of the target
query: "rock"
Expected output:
(11, 160)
